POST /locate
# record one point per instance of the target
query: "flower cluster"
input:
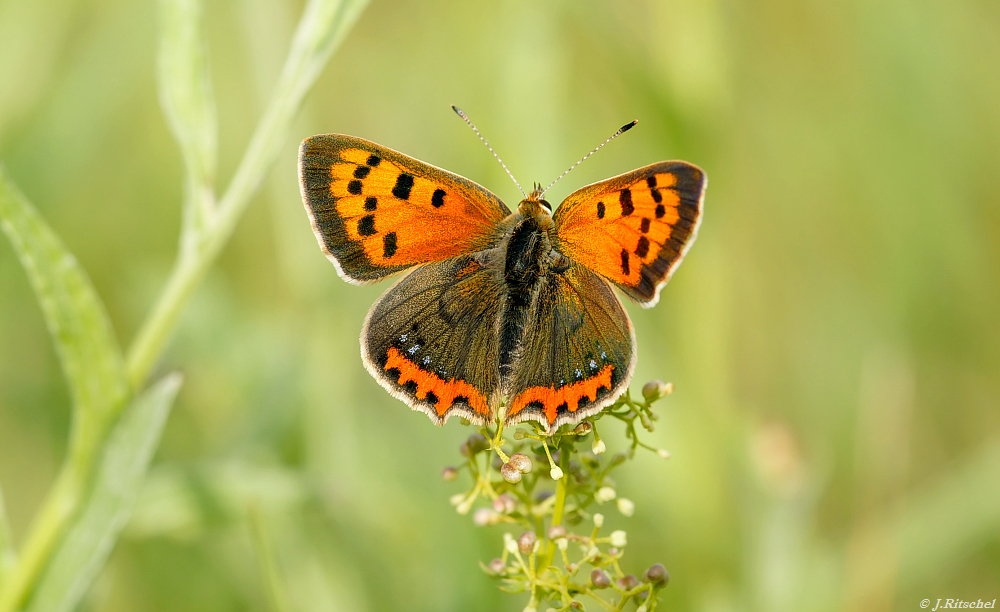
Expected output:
(561, 553)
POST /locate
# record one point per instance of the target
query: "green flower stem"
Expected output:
(600, 600)
(323, 26)
(557, 511)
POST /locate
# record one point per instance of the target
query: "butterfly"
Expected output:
(497, 306)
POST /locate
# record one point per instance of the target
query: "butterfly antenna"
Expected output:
(465, 118)
(621, 130)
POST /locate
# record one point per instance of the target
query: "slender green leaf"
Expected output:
(186, 96)
(75, 315)
(82, 552)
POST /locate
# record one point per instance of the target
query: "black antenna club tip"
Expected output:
(457, 110)
(629, 126)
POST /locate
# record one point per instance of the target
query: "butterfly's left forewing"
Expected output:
(376, 212)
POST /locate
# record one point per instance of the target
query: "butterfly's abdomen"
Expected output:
(525, 249)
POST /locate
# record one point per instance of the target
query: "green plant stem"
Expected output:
(48, 527)
(557, 510)
(322, 27)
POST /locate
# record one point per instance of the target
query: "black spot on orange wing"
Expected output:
(404, 183)
(644, 225)
(437, 200)
(642, 249)
(354, 187)
(625, 268)
(374, 160)
(371, 203)
(657, 196)
(389, 245)
(651, 181)
(600, 210)
(625, 198)
(366, 226)
(660, 211)
(361, 172)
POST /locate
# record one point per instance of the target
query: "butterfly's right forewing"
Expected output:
(634, 229)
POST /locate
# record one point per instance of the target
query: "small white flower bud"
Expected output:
(605, 494)
(556, 472)
(504, 504)
(598, 447)
(521, 461)
(465, 506)
(562, 543)
(598, 520)
(655, 389)
(526, 543)
(593, 552)
(510, 473)
(664, 453)
(485, 516)
(626, 506)
(619, 538)
(456, 499)
(509, 543)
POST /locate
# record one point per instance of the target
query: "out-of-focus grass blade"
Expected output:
(186, 96)
(82, 552)
(947, 523)
(75, 315)
(7, 554)
(324, 25)
(933, 531)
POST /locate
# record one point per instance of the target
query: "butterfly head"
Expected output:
(534, 205)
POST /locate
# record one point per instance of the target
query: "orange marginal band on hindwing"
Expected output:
(376, 212)
(634, 229)
(428, 340)
(578, 351)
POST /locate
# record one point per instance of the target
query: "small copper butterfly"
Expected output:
(497, 305)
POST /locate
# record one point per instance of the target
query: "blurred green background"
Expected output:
(832, 336)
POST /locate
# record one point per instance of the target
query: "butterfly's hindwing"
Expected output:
(577, 352)
(634, 229)
(431, 340)
(376, 212)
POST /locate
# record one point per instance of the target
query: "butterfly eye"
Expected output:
(547, 206)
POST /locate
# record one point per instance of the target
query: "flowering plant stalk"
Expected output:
(561, 554)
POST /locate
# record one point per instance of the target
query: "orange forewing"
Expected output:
(376, 211)
(634, 229)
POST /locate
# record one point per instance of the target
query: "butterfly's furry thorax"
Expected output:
(527, 253)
